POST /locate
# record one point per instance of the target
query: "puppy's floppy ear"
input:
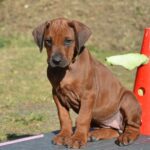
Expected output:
(82, 33)
(38, 34)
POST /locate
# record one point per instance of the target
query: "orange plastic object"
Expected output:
(142, 85)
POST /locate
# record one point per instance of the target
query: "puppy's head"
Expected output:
(63, 40)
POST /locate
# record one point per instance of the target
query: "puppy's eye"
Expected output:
(68, 42)
(48, 42)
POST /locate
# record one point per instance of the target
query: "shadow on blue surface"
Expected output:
(14, 136)
(44, 143)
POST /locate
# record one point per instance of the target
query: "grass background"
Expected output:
(26, 105)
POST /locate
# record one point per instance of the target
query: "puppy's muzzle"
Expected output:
(57, 60)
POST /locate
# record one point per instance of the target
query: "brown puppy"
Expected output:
(82, 83)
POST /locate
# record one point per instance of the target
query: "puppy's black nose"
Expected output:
(56, 59)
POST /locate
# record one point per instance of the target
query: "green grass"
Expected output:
(25, 93)
(15, 40)
(26, 105)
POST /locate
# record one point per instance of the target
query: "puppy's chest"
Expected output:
(68, 95)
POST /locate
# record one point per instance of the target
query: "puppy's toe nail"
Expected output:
(125, 144)
(130, 142)
(118, 143)
(53, 142)
(89, 139)
(121, 144)
(94, 139)
(69, 146)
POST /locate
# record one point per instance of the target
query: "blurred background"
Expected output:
(26, 105)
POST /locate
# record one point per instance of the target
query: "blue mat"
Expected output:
(44, 143)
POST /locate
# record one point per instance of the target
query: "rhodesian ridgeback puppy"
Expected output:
(82, 83)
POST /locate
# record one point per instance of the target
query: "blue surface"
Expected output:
(143, 143)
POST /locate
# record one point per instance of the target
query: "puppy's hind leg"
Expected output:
(132, 117)
(102, 134)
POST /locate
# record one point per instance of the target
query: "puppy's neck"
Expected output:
(55, 75)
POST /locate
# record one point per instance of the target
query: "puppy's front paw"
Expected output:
(61, 138)
(76, 141)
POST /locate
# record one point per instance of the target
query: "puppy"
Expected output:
(81, 83)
